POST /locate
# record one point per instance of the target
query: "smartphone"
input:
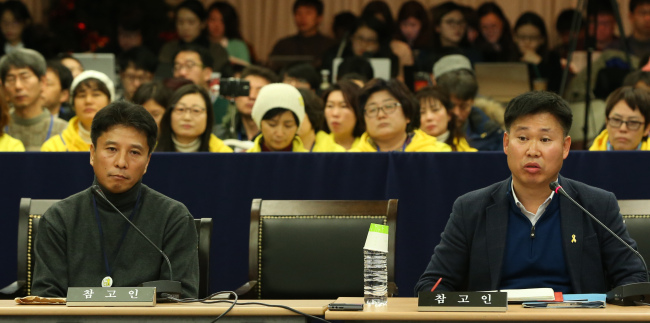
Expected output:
(345, 307)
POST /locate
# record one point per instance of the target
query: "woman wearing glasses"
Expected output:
(90, 92)
(450, 32)
(391, 117)
(628, 121)
(186, 126)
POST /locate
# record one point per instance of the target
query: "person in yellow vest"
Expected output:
(438, 120)
(391, 117)
(90, 92)
(186, 126)
(314, 139)
(342, 126)
(7, 142)
(628, 121)
(278, 112)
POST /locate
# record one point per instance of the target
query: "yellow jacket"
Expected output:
(297, 146)
(355, 144)
(463, 146)
(421, 142)
(600, 143)
(68, 140)
(217, 146)
(324, 143)
(10, 144)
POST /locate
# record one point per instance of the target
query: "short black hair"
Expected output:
(460, 83)
(62, 72)
(635, 77)
(166, 131)
(565, 19)
(636, 99)
(152, 91)
(355, 65)
(204, 53)
(260, 71)
(313, 108)
(316, 4)
(276, 111)
(536, 102)
(635, 3)
(127, 114)
(350, 91)
(399, 91)
(304, 72)
(140, 57)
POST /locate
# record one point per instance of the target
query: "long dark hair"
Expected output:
(230, 19)
(440, 94)
(416, 10)
(531, 18)
(506, 43)
(197, 8)
(379, 7)
(437, 13)
(165, 143)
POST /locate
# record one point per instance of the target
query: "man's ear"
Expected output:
(64, 96)
(92, 154)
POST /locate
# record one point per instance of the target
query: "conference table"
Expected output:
(406, 309)
(163, 312)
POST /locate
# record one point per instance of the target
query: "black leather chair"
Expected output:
(636, 215)
(31, 211)
(313, 249)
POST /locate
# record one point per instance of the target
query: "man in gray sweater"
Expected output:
(84, 242)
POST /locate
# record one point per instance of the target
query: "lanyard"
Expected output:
(101, 232)
(406, 142)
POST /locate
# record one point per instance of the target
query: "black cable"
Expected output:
(285, 307)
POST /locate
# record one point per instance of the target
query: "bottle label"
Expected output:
(377, 239)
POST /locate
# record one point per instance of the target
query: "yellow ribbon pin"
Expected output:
(573, 238)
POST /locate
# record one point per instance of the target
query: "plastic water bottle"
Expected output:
(375, 278)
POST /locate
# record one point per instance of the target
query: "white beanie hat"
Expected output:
(278, 95)
(95, 75)
(451, 63)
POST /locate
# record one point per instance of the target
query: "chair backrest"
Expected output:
(314, 249)
(636, 214)
(29, 214)
(204, 232)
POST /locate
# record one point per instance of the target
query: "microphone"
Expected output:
(164, 288)
(625, 295)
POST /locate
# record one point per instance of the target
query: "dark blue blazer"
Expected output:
(470, 254)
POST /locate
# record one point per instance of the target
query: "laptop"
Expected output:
(102, 62)
(380, 67)
(502, 81)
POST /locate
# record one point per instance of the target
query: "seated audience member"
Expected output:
(390, 115)
(341, 102)
(129, 27)
(495, 38)
(638, 41)
(369, 39)
(154, 97)
(313, 139)
(638, 79)
(471, 18)
(438, 120)
(604, 25)
(56, 92)
(628, 121)
(190, 17)
(380, 10)
(137, 66)
(414, 29)
(19, 31)
(223, 29)
(450, 32)
(73, 64)
(69, 252)
(186, 126)
(278, 112)
(307, 14)
(91, 92)
(563, 25)
(7, 142)
(238, 123)
(23, 76)
(302, 76)
(532, 42)
(454, 74)
(487, 243)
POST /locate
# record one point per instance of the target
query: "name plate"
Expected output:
(111, 296)
(462, 301)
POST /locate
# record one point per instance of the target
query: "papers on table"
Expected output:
(572, 301)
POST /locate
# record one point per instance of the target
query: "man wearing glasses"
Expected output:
(628, 121)
(193, 63)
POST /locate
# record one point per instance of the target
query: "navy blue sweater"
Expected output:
(535, 260)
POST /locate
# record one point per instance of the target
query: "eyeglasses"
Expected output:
(631, 125)
(187, 65)
(194, 110)
(373, 111)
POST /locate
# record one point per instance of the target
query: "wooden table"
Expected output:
(195, 312)
(405, 309)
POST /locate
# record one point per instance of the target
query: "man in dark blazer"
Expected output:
(519, 233)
